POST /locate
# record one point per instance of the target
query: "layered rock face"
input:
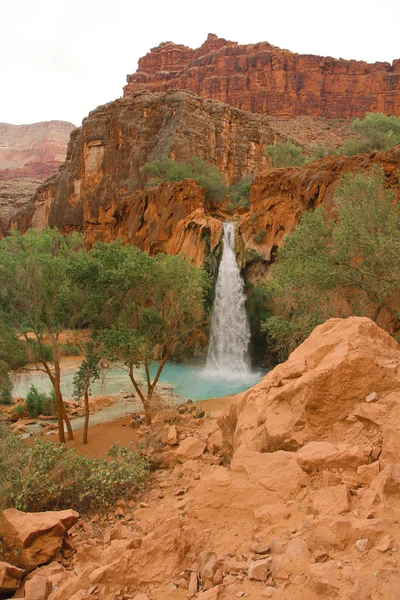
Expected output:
(100, 189)
(268, 80)
(29, 154)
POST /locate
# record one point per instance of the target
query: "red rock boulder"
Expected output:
(34, 538)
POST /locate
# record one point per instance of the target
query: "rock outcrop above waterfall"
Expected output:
(307, 508)
(265, 79)
(100, 189)
(279, 197)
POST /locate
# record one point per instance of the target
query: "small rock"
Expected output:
(362, 545)
(372, 397)
(258, 569)
(144, 505)
(193, 584)
(37, 588)
(269, 591)
(385, 543)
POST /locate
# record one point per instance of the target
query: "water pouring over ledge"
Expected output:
(228, 352)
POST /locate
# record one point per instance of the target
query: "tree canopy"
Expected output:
(348, 264)
(206, 175)
(136, 303)
(37, 300)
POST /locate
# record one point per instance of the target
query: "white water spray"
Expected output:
(228, 353)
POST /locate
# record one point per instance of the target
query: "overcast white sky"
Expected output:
(59, 60)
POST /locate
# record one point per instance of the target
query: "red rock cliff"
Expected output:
(265, 79)
(100, 191)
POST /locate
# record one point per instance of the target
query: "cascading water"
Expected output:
(228, 353)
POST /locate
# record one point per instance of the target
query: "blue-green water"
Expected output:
(187, 382)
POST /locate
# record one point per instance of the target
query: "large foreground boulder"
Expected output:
(34, 538)
(323, 381)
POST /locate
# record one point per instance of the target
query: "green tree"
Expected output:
(87, 373)
(13, 357)
(286, 154)
(376, 132)
(38, 301)
(204, 173)
(340, 266)
(137, 303)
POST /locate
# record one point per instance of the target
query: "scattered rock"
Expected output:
(10, 577)
(258, 569)
(362, 545)
(189, 449)
(372, 397)
(34, 538)
(332, 500)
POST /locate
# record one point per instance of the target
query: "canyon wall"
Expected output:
(265, 79)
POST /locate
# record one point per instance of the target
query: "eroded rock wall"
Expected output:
(100, 190)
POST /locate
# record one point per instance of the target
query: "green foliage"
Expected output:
(259, 237)
(48, 476)
(376, 132)
(286, 154)
(258, 310)
(136, 302)
(39, 403)
(13, 356)
(19, 410)
(206, 175)
(70, 349)
(239, 194)
(338, 267)
(88, 371)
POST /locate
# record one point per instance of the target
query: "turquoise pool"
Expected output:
(187, 382)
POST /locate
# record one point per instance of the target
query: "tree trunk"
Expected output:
(60, 418)
(86, 425)
(147, 406)
(68, 423)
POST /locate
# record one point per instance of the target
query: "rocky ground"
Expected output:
(292, 493)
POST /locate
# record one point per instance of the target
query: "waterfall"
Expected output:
(230, 331)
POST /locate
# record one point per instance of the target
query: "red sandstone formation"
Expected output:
(100, 190)
(268, 80)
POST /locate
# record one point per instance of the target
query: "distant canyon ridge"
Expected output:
(29, 154)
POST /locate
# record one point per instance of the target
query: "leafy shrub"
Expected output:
(259, 237)
(230, 208)
(240, 193)
(206, 175)
(376, 132)
(39, 403)
(286, 154)
(5, 385)
(19, 410)
(70, 349)
(48, 476)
